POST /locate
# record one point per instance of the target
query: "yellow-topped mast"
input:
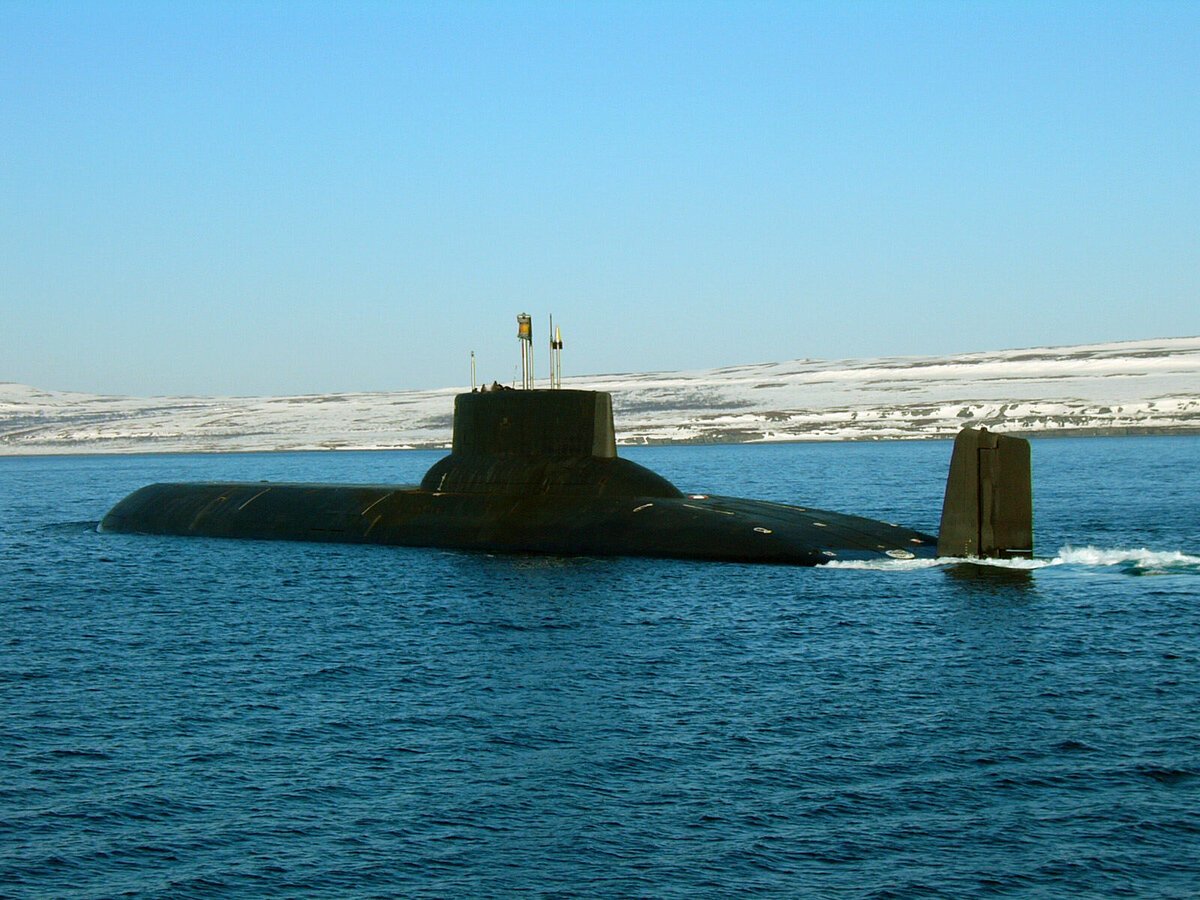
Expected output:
(525, 336)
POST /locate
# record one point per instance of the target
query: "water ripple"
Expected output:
(216, 718)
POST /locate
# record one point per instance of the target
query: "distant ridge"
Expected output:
(1128, 387)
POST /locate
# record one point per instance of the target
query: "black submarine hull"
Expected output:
(538, 472)
(685, 527)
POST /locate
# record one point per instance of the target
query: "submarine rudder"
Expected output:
(987, 511)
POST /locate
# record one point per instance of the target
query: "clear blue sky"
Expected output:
(255, 198)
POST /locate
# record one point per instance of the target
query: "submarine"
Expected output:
(537, 471)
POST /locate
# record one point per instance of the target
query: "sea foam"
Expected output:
(1135, 561)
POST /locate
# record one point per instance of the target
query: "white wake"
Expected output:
(1135, 561)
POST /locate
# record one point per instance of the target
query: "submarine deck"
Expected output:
(695, 526)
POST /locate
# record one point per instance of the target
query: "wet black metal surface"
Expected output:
(722, 528)
(531, 471)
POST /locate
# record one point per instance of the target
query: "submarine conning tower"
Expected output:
(539, 442)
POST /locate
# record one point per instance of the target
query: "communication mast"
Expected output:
(556, 345)
(525, 336)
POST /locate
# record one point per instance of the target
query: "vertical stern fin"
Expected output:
(988, 508)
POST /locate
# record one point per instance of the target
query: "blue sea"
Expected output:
(211, 718)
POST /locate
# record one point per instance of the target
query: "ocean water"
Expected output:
(195, 718)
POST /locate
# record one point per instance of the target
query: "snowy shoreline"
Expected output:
(1131, 387)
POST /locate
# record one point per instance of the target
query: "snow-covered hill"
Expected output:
(1128, 387)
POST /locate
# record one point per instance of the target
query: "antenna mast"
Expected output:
(525, 336)
(556, 345)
